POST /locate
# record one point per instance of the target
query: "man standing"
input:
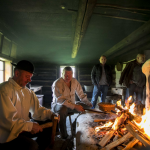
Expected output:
(16, 101)
(133, 78)
(101, 78)
(64, 90)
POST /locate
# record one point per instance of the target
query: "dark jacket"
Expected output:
(127, 73)
(97, 73)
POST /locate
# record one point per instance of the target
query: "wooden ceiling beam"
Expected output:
(134, 36)
(136, 45)
(120, 7)
(85, 11)
(9, 29)
(116, 17)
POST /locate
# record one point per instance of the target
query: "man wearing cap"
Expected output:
(16, 101)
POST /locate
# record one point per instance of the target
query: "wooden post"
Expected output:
(55, 120)
(146, 71)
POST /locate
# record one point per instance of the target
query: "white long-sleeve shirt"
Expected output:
(64, 95)
(15, 104)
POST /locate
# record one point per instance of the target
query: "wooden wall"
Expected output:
(45, 76)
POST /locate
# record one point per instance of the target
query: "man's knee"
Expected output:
(63, 110)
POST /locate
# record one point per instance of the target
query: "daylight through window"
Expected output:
(1, 71)
(62, 67)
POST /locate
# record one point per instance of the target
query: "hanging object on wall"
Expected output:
(119, 66)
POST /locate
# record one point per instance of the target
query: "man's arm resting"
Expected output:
(36, 128)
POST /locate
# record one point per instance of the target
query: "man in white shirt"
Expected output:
(16, 101)
(64, 90)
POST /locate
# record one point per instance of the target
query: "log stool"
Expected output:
(70, 114)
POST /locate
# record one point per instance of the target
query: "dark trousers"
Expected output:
(25, 142)
(63, 112)
(133, 88)
(99, 88)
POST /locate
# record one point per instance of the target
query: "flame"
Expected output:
(119, 103)
(104, 126)
(114, 127)
(145, 123)
(128, 102)
(131, 110)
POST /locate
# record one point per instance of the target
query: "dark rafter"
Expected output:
(116, 6)
(85, 11)
(134, 36)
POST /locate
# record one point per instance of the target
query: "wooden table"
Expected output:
(85, 130)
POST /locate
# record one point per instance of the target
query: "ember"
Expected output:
(126, 130)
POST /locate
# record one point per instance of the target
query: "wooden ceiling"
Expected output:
(75, 32)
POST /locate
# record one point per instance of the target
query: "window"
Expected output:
(73, 68)
(1, 71)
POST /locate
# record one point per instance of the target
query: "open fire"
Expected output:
(128, 129)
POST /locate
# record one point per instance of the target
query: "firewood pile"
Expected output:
(125, 132)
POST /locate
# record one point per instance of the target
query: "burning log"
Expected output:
(131, 144)
(131, 117)
(120, 147)
(118, 142)
(119, 121)
(106, 138)
(136, 135)
(138, 129)
(116, 137)
(103, 120)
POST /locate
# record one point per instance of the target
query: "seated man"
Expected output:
(64, 90)
(16, 101)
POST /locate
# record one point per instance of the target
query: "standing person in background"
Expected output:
(133, 78)
(101, 78)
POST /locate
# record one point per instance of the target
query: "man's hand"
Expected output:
(57, 115)
(36, 128)
(79, 108)
(90, 104)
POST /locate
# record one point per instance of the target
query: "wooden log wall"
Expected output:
(45, 76)
(84, 78)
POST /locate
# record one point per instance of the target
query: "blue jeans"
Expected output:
(99, 88)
